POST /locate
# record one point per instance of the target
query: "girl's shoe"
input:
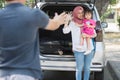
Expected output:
(87, 52)
(79, 47)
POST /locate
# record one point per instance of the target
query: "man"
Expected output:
(19, 46)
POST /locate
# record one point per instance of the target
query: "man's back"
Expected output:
(19, 39)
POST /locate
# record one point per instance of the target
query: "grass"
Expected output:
(112, 38)
(112, 35)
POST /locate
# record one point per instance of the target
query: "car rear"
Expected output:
(56, 47)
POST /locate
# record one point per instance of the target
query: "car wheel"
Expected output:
(98, 75)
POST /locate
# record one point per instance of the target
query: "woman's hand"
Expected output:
(68, 19)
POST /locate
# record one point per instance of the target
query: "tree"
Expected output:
(2, 3)
(118, 21)
(29, 3)
(113, 2)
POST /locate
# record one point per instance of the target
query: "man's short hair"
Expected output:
(9, 0)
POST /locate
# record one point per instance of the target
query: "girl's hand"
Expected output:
(91, 26)
(88, 25)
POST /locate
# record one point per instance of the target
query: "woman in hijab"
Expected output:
(83, 61)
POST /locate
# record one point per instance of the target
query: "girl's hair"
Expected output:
(89, 11)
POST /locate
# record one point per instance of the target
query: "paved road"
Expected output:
(112, 47)
(59, 75)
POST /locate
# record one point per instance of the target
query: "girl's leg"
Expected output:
(79, 57)
(88, 45)
(87, 64)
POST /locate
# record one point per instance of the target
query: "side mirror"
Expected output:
(104, 24)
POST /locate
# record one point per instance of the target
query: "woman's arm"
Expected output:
(66, 28)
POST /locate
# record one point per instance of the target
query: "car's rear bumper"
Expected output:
(67, 62)
(66, 66)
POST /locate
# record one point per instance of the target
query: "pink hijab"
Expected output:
(75, 13)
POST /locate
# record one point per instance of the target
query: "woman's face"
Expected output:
(80, 14)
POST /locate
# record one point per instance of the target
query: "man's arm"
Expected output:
(56, 21)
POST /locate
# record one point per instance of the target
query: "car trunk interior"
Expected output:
(55, 42)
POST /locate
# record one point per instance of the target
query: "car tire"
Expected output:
(99, 75)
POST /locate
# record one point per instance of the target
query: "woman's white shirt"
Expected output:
(76, 33)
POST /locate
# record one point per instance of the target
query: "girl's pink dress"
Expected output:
(87, 30)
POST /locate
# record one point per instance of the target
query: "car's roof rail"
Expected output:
(66, 1)
(89, 2)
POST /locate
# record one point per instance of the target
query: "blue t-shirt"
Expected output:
(19, 40)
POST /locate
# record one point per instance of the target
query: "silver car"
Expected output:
(56, 47)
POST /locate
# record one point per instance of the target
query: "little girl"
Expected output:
(88, 30)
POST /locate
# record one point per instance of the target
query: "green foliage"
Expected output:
(2, 2)
(29, 3)
(113, 2)
(105, 15)
(118, 19)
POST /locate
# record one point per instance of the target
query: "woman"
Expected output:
(82, 61)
